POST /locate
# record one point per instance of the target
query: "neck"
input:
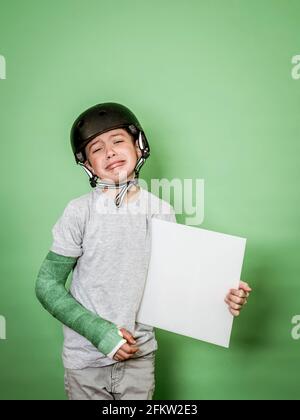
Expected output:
(131, 193)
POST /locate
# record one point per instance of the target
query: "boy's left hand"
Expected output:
(237, 299)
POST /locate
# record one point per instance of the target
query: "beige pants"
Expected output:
(132, 379)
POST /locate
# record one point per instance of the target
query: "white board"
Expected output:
(190, 273)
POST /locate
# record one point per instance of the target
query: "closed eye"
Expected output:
(100, 148)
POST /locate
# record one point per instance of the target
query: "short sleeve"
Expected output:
(67, 233)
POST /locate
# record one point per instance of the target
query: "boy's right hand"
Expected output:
(127, 350)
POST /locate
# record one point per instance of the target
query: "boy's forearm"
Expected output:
(51, 292)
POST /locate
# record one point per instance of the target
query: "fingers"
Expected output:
(234, 309)
(236, 302)
(245, 286)
(239, 293)
(238, 297)
(129, 349)
(125, 352)
(235, 313)
(121, 355)
(233, 305)
(127, 336)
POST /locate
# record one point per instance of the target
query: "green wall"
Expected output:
(211, 82)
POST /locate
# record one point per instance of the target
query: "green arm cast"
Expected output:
(51, 292)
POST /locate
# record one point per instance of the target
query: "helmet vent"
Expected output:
(102, 112)
(133, 129)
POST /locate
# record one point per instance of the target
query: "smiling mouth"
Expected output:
(115, 165)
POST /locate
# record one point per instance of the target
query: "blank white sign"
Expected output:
(190, 273)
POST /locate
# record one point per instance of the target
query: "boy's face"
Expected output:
(112, 156)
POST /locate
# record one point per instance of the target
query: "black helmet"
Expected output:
(101, 118)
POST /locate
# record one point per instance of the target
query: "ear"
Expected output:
(138, 150)
(87, 164)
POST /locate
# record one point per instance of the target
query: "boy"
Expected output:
(103, 237)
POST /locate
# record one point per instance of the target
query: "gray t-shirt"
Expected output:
(113, 249)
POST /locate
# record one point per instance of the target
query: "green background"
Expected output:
(211, 83)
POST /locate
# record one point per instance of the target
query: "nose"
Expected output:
(110, 153)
